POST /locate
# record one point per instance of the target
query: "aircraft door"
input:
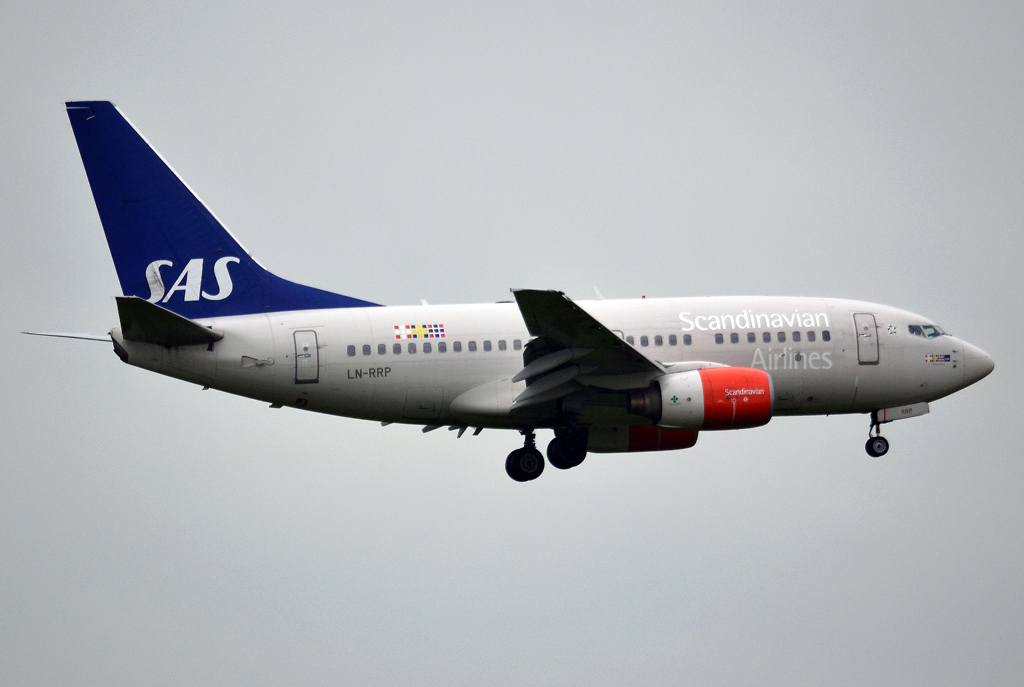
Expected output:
(867, 338)
(307, 358)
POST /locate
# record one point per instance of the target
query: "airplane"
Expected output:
(607, 376)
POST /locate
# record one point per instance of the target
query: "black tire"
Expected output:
(556, 454)
(524, 464)
(564, 452)
(511, 466)
(877, 446)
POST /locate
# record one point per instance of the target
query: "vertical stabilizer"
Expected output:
(167, 247)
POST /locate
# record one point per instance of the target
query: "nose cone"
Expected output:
(977, 364)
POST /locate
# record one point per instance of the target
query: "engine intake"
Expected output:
(713, 398)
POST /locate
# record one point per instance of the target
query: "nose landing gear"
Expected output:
(526, 463)
(877, 445)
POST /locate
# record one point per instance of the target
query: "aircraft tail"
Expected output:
(167, 247)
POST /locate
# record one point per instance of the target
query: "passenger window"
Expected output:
(751, 338)
(687, 339)
(426, 347)
(501, 345)
(825, 336)
(734, 338)
(381, 349)
(472, 345)
(658, 340)
(629, 340)
(644, 341)
(442, 347)
(397, 349)
(796, 336)
(412, 347)
(719, 338)
(351, 350)
(457, 347)
(672, 340)
(781, 336)
(366, 349)
(487, 345)
(810, 337)
(517, 344)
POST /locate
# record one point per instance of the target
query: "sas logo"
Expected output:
(934, 358)
(733, 393)
(190, 281)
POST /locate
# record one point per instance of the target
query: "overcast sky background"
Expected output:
(151, 533)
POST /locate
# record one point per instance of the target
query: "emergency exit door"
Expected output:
(307, 358)
(867, 338)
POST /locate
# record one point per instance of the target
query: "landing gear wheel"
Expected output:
(524, 464)
(877, 446)
(567, 450)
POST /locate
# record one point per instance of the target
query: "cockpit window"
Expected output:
(928, 331)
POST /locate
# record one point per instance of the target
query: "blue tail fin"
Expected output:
(167, 247)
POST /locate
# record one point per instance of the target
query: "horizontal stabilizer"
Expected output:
(148, 323)
(84, 337)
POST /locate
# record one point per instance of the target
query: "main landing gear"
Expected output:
(566, 450)
(526, 463)
(877, 444)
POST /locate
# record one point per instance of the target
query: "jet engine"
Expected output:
(712, 398)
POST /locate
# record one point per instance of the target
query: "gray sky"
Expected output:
(154, 534)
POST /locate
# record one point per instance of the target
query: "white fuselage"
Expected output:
(347, 362)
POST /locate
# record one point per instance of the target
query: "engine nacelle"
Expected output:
(712, 398)
(635, 438)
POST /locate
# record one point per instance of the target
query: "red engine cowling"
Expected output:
(635, 438)
(651, 438)
(712, 398)
(736, 397)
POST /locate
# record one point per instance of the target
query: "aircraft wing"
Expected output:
(570, 333)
